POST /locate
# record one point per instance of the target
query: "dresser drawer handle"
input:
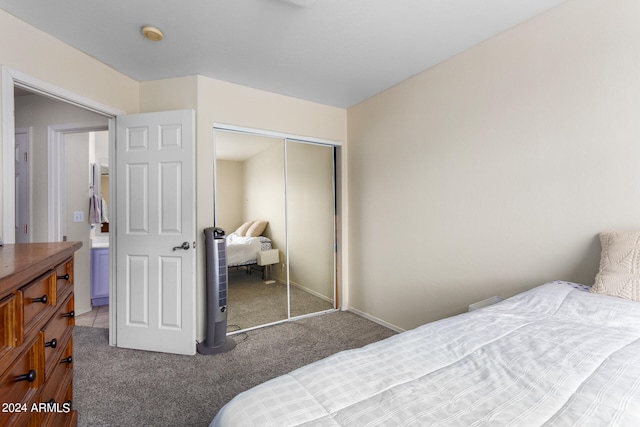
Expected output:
(43, 299)
(29, 376)
(67, 360)
(69, 314)
(53, 343)
(65, 277)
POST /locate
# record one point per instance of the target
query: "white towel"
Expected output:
(94, 209)
(103, 211)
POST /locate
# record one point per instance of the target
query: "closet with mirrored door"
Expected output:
(275, 197)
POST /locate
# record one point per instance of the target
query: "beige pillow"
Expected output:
(242, 230)
(619, 273)
(257, 228)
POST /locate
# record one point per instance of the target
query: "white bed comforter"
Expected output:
(550, 356)
(241, 249)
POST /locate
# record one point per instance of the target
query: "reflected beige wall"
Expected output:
(230, 194)
(264, 192)
(310, 216)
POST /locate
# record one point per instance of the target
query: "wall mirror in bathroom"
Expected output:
(283, 266)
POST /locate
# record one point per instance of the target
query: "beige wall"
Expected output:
(494, 171)
(170, 94)
(77, 153)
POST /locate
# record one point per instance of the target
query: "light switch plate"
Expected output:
(78, 216)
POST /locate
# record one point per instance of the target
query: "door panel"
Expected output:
(171, 296)
(137, 281)
(156, 188)
(137, 212)
(170, 192)
(310, 226)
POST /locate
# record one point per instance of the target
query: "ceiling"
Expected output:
(334, 52)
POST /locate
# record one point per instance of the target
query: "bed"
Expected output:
(243, 250)
(553, 355)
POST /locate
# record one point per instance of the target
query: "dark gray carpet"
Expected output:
(121, 387)
(253, 302)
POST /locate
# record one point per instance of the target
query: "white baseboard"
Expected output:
(375, 319)
(312, 292)
(81, 310)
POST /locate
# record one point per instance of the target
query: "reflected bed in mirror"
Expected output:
(284, 266)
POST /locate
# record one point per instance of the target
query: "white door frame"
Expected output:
(11, 78)
(27, 132)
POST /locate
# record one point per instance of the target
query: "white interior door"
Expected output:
(22, 186)
(155, 210)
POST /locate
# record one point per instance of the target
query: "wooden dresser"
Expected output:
(36, 350)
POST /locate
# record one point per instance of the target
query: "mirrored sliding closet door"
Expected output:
(275, 199)
(310, 226)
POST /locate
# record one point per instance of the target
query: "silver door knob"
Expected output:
(184, 245)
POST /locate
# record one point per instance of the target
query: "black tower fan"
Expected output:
(216, 340)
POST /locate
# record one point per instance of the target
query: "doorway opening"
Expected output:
(167, 176)
(69, 168)
(46, 202)
(84, 185)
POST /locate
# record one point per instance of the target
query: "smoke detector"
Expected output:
(152, 33)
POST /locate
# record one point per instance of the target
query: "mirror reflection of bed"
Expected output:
(275, 199)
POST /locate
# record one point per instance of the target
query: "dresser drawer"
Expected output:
(62, 419)
(12, 332)
(11, 328)
(26, 418)
(58, 391)
(58, 331)
(55, 387)
(60, 413)
(38, 297)
(21, 381)
(64, 277)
